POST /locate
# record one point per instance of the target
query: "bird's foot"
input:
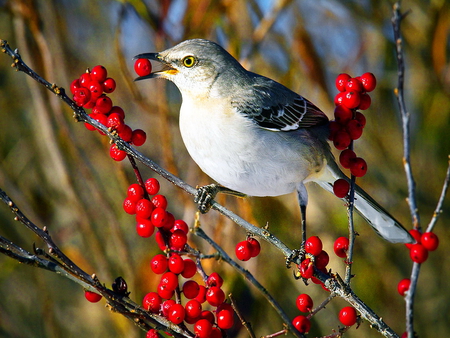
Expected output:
(206, 194)
(296, 257)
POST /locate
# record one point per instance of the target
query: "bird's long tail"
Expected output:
(381, 221)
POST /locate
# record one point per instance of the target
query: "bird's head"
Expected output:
(197, 66)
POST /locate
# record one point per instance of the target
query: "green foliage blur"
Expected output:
(61, 175)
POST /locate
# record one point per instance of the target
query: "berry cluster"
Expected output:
(89, 91)
(247, 249)
(349, 123)
(418, 252)
(175, 269)
(317, 258)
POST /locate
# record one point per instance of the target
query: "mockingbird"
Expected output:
(253, 135)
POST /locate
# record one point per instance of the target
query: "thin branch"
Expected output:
(399, 93)
(397, 18)
(438, 210)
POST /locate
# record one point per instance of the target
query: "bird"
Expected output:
(253, 135)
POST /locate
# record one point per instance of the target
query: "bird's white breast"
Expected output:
(238, 154)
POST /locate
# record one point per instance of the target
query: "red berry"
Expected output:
(159, 264)
(341, 188)
(165, 292)
(201, 297)
(418, 253)
(216, 333)
(177, 313)
(341, 139)
(351, 99)
(304, 302)
(214, 279)
(115, 122)
(159, 238)
(225, 319)
(143, 67)
(347, 316)
(85, 78)
(179, 224)
(190, 268)
(170, 220)
(243, 251)
(354, 85)
(138, 137)
(193, 308)
(203, 328)
(341, 81)
(129, 205)
(177, 240)
(116, 154)
(255, 246)
(416, 234)
(176, 263)
(109, 85)
(92, 296)
(160, 201)
(99, 73)
(403, 286)
(341, 247)
(208, 315)
(358, 167)
(368, 81)
(144, 227)
(144, 208)
(75, 84)
(430, 241)
(191, 289)
(135, 192)
(215, 296)
(103, 104)
(339, 98)
(118, 110)
(152, 186)
(360, 118)
(302, 324)
(81, 96)
(158, 217)
(345, 158)
(321, 260)
(152, 302)
(355, 129)
(169, 280)
(306, 268)
(152, 333)
(334, 127)
(366, 101)
(96, 89)
(313, 245)
(165, 307)
(342, 114)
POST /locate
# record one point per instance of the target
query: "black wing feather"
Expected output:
(273, 106)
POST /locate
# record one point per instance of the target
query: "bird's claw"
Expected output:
(295, 257)
(205, 195)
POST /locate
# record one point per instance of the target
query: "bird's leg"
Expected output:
(207, 193)
(302, 195)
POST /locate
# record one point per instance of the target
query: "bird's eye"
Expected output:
(189, 61)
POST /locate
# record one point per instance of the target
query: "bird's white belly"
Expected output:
(231, 150)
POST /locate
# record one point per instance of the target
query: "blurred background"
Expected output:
(61, 175)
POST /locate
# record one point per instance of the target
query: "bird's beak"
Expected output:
(163, 72)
